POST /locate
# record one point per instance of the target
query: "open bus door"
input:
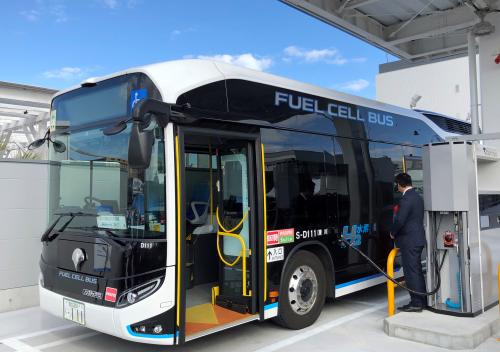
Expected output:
(219, 225)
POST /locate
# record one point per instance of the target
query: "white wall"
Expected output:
(444, 87)
(489, 48)
(23, 218)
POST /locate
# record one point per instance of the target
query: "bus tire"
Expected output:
(302, 291)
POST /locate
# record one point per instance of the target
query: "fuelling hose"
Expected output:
(437, 267)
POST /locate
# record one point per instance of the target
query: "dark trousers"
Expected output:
(414, 277)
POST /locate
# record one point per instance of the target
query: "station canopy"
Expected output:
(24, 117)
(413, 30)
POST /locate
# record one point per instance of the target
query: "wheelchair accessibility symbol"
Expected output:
(136, 95)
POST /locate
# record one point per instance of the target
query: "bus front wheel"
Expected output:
(302, 291)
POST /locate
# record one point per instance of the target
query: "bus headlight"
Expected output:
(137, 293)
(131, 297)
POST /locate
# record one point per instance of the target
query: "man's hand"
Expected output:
(390, 234)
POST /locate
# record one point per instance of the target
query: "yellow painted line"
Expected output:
(265, 220)
(178, 176)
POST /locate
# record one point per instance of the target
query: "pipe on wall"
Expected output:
(474, 106)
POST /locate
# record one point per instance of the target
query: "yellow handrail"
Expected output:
(211, 183)
(243, 252)
(264, 191)
(237, 225)
(178, 193)
(243, 248)
(241, 256)
(390, 284)
(498, 278)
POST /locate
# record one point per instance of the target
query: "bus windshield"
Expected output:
(93, 175)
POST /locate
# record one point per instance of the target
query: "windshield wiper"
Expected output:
(96, 228)
(71, 214)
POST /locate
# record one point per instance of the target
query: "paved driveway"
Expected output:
(353, 323)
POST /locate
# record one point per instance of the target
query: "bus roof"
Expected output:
(173, 78)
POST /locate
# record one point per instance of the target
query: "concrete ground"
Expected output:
(353, 323)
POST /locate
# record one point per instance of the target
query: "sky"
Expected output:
(59, 43)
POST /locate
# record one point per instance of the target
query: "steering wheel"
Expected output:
(89, 202)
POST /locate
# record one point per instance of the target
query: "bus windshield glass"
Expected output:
(98, 104)
(93, 176)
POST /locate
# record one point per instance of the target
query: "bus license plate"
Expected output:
(74, 311)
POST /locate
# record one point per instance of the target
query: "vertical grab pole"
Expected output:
(178, 191)
(211, 184)
(498, 278)
(265, 220)
(390, 284)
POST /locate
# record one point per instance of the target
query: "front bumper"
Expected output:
(117, 322)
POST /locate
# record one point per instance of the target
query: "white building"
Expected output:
(24, 116)
(443, 86)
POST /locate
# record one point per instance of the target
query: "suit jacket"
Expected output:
(408, 226)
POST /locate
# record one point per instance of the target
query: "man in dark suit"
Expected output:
(409, 235)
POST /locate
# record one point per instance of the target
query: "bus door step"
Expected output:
(237, 304)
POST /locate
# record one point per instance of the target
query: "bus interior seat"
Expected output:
(205, 229)
(202, 246)
(198, 206)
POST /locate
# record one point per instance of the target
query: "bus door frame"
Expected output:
(256, 199)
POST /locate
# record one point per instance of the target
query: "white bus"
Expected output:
(191, 196)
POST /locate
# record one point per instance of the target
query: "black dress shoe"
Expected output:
(404, 307)
(411, 309)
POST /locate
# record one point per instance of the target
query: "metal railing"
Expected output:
(390, 284)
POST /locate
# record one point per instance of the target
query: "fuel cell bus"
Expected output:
(191, 196)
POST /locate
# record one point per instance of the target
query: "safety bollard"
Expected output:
(390, 284)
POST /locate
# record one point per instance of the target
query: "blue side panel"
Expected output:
(366, 278)
(150, 336)
(271, 306)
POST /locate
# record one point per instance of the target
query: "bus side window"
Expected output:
(297, 194)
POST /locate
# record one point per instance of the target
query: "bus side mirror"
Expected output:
(140, 146)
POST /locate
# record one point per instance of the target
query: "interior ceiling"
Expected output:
(413, 30)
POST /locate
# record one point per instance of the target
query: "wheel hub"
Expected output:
(303, 289)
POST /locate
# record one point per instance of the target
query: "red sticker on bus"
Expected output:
(272, 238)
(110, 294)
(283, 236)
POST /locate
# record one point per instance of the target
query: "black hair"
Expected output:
(403, 179)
